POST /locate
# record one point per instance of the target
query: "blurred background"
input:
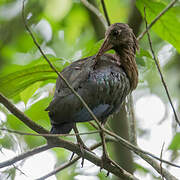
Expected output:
(67, 31)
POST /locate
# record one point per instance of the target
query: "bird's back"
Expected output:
(103, 87)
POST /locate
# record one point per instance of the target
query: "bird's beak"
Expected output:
(105, 46)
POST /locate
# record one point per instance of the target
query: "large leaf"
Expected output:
(14, 83)
(168, 26)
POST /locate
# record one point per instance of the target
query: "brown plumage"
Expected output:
(103, 81)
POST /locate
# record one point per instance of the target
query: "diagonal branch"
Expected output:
(136, 148)
(96, 12)
(65, 165)
(146, 156)
(47, 135)
(160, 73)
(171, 4)
(31, 124)
(25, 155)
(105, 12)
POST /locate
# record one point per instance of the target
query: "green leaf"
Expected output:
(29, 91)
(168, 26)
(175, 144)
(38, 114)
(6, 142)
(90, 51)
(144, 58)
(14, 83)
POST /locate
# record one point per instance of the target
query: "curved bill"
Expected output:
(105, 47)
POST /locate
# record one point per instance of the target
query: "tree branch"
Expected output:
(65, 165)
(137, 149)
(95, 11)
(160, 73)
(105, 12)
(171, 4)
(31, 124)
(25, 155)
(47, 135)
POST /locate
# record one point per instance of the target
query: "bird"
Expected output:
(102, 80)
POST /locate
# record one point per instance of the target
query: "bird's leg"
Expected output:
(81, 144)
(105, 156)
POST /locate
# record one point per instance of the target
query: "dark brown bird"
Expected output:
(103, 81)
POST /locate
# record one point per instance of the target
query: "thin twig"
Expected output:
(25, 155)
(105, 12)
(47, 135)
(161, 162)
(160, 73)
(134, 148)
(56, 71)
(96, 12)
(157, 18)
(137, 149)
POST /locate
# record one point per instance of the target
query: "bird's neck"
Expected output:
(126, 55)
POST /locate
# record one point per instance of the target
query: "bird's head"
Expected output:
(118, 35)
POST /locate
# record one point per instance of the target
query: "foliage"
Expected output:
(26, 78)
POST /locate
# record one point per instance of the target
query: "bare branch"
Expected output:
(25, 155)
(161, 162)
(137, 149)
(105, 12)
(65, 165)
(31, 124)
(47, 135)
(160, 73)
(95, 11)
(171, 4)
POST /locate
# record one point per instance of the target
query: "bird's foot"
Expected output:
(82, 147)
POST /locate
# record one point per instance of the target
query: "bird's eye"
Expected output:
(115, 33)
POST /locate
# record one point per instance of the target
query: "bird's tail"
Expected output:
(64, 128)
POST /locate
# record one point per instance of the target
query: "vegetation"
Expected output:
(67, 31)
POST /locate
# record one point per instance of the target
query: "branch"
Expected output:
(157, 18)
(156, 166)
(105, 12)
(161, 162)
(65, 165)
(96, 12)
(160, 73)
(31, 124)
(137, 149)
(47, 135)
(25, 155)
